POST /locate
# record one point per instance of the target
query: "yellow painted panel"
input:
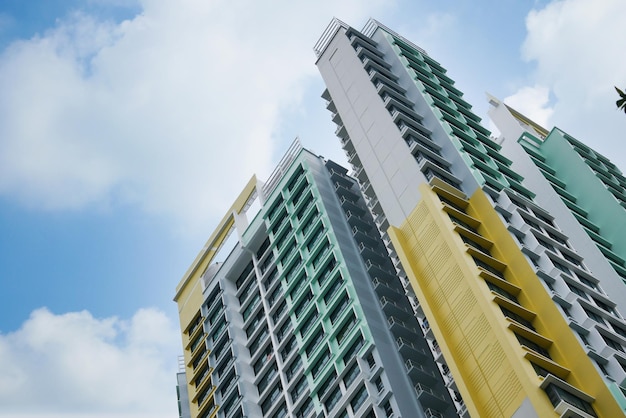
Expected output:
(470, 334)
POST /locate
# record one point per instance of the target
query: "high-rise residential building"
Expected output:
(293, 308)
(182, 392)
(509, 304)
(580, 186)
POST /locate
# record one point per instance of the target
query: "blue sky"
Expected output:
(128, 127)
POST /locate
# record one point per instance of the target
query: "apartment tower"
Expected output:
(294, 309)
(509, 305)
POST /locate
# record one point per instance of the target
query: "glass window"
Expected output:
(557, 395)
(358, 399)
(333, 399)
(299, 389)
(271, 398)
(351, 375)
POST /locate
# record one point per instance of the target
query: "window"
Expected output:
(594, 316)
(587, 282)
(229, 404)
(517, 318)
(293, 368)
(351, 375)
(328, 384)
(271, 398)
(275, 208)
(612, 343)
(315, 239)
(262, 248)
(295, 178)
(562, 267)
(326, 271)
(371, 362)
(306, 408)
(289, 346)
(273, 297)
(603, 306)
(281, 241)
(270, 278)
(244, 275)
(309, 322)
(358, 399)
(333, 290)
(578, 291)
(540, 370)
(339, 309)
(254, 325)
(354, 349)
(619, 330)
(304, 209)
(533, 346)
(281, 413)
(319, 257)
(219, 350)
(557, 395)
(282, 332)
(258, 341)
(465, 225)
(216, 332)
(198, 319)
(388, 409)
(289, 249)
(345, 330)
(279, 312)
(289, 275)
(267, 378)
(215, 314)
(304, 303)
(225, 362)
(315, 342)
(487, 267)
(299, 389)
(333, 399)
(263, 359)
(195, 342)
(280, 220)
(201, 375)
(320, 364)
(250, 308)
(379, 384)
(227, 382)
(502, 292)
(474, 244)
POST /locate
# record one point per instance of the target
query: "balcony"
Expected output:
(384, 288)
(417, 372)
(376, 269)
(392, 308)
(433, 413)
(354, 219)
(429, 398)
(409, 349)
(399, 328)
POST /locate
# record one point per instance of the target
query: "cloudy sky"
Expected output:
(127, 127)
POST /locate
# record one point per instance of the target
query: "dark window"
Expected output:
(558, 395)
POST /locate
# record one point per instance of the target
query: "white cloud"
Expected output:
(576, 45)
(533, 102)
(59, 365)
(172, 110)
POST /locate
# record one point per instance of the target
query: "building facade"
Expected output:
(294, 309)
(497, 279)
(591, 188)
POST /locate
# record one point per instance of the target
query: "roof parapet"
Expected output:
(328, 35)
(372, 25)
